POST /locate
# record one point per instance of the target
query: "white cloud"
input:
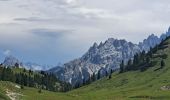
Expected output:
(91, 20)
(72, 2)
(92, 13)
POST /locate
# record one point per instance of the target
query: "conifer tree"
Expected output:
(162, 63)
(148, 60)
(93, 77)
(110, 76)
(122, 67)
(106, 73)
(98, 75)
(111, 71)
(129, 62)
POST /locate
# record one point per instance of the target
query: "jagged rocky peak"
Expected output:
(116, 42)
(150, 42)
(153, 37)
(101, 43)
(95, 45)
(169, 29)
(168, 32)
(110, 41)
(164, 35)
(10, 61)
(153, 40)
(104, 57)
(107, 56)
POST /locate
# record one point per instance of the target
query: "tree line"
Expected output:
(40, 80)
(94, 77)
(142, 61)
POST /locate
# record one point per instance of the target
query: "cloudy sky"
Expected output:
(53, 31)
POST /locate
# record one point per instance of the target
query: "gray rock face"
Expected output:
(10, 61)
(104, 57)
(150, 42)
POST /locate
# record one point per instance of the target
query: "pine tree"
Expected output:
(150, 53)
(84, 81)
(3, 74)
(22, 86)
(40, 89)
(93, 77)
(129, 62)
(122, 67)
(143, 55)
(89, 80)
(98, 75)
(136, 59)
(24, 70)
(162, 63)
(16, 65)
(110, 76)
(106, 73)
(111, 71)
(148, 60)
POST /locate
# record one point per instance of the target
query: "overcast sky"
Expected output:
(53, 31)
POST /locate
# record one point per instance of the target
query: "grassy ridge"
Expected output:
(132, 85)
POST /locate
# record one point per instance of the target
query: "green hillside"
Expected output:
(153, 83)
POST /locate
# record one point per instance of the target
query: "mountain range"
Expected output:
(10, 61)
(104, 57)
(145, 78)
